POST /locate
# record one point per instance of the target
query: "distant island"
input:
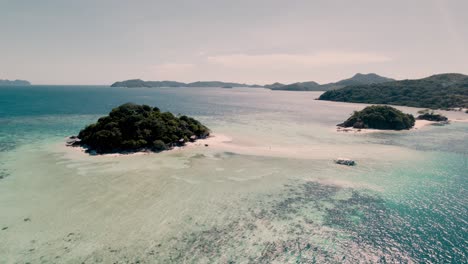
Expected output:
(299, 86)
(14, 83)
(358, 79)
(274, 86)
(131, 127)
(137, 83)
(442, 91)
(379, 117)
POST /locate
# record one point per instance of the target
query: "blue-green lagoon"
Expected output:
(265, 190)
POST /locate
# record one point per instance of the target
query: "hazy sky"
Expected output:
(253, 41)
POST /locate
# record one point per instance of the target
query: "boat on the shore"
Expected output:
(345, 161)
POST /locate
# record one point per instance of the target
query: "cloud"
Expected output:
(173, 67)
(168, 71)
(329, 58)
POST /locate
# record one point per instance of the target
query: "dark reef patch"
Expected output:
(3, 173)
(307, 224)
(7, 145)
(315, 223)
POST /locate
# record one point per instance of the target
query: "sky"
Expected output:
(248, 41)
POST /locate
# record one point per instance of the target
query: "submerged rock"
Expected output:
(441, 123)
(181, 142)
(73, 141)
(344, 161)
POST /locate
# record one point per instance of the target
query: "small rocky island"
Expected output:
(14, 83)
(131, 128)
(379, 117)
(431, 116)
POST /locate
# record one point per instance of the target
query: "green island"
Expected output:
(442, 91)
(379, 117)
(131, 128)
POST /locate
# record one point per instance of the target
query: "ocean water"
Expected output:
(267, 192)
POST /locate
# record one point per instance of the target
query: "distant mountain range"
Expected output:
(274, 85)
(357, 79)
(439, 91)
(14, 83)
(299, 86)
(140, 83)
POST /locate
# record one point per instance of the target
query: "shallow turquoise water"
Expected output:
(256, 208)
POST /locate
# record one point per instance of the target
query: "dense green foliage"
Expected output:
(132, 127)
(439, 91)
(380, 117)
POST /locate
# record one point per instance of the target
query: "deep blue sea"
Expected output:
(270, 195)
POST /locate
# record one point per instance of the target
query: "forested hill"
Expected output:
(358, 78)
(299, 86)
(438, 92)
